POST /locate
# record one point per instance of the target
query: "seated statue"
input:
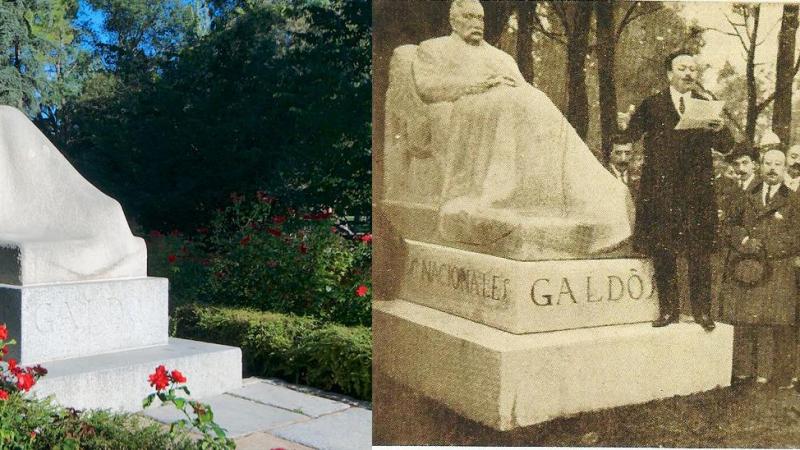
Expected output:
(478, 159)
(54, 225)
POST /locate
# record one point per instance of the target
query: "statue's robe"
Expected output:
(513, 163)
(54, 225)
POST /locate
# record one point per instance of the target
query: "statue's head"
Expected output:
(466, 19)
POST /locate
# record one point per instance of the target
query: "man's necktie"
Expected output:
(681, 105)
(768, 195)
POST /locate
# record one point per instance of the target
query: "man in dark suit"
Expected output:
(619, 165)
(676, 209)
(762, 230)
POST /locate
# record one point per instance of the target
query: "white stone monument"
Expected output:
(74, 290)
(515, 302)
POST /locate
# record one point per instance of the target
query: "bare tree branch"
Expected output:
(738, 34)
(539, 26)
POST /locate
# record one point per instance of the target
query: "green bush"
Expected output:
(256, 255)
(299, 349)
(39, 424)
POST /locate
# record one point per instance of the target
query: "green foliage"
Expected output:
(276, 96)
(298, 349)
(257, 256)
(200, 419)
(39, 424)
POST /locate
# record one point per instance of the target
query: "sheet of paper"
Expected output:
(699, 112)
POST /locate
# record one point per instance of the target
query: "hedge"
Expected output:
(298, 349)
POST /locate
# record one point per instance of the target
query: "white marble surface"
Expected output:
(68, 320)
(55, 226)
(529, 296)
(118, 381)
(507, 381)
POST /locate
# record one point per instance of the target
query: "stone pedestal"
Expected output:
(99, 340)
(118, 380)
(507, 380)
(70, 320)
(529, 296)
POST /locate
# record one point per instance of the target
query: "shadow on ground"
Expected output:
(746, 415)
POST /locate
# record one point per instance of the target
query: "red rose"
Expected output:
(159, 379)
(3, 395)
(4, 350)
(12, 364)
(274, 232)
(361, 290)
(172, 258)
(25, 381)
(3, 332)
(245, 240)
(177, 377)
(279, 219)
(367, 238)
(303, 248)
(264, 198)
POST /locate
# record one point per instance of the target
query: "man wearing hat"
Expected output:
(762, 230)
(676, 210)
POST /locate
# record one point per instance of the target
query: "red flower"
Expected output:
(39, 370)
(367, 238)
(318, 216)
(245, 240)
(3, 395)
(279, 219)
(12, 364)
(361, 290)
(156, 234)
(172, 258)
(3, 332)
(202, 230)
(33, 434)
(159, 379)
(25, 381)
(303, 248)
(274, 232)
(264, 198)
(4, 350)
(177, 377)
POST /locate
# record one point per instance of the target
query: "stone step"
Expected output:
(119, 380)
(71, 320)
(505, 381)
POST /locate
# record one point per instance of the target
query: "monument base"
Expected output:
(507, 381)
(71, 320)
(118, 381)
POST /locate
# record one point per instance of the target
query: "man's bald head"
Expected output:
(466, 19)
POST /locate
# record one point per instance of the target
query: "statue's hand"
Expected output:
(490, 82)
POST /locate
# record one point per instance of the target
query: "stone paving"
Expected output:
(266, 414)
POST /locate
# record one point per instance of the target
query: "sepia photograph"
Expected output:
(586, 223)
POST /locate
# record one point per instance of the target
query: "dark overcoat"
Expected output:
(777, 226)
(676, 206)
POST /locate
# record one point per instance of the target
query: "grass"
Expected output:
(747, 415)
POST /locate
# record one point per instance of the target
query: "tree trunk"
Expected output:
(525, 12)
(606, 52)
(784, 76)
(496, 16)
(752, 92)
(580, 17)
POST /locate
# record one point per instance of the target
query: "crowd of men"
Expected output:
(756, 251)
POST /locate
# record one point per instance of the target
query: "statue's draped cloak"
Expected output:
(54, 225)
(511, 157)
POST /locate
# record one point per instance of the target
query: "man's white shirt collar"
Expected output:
(791, 183)
(676, 98)
(746, 183)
